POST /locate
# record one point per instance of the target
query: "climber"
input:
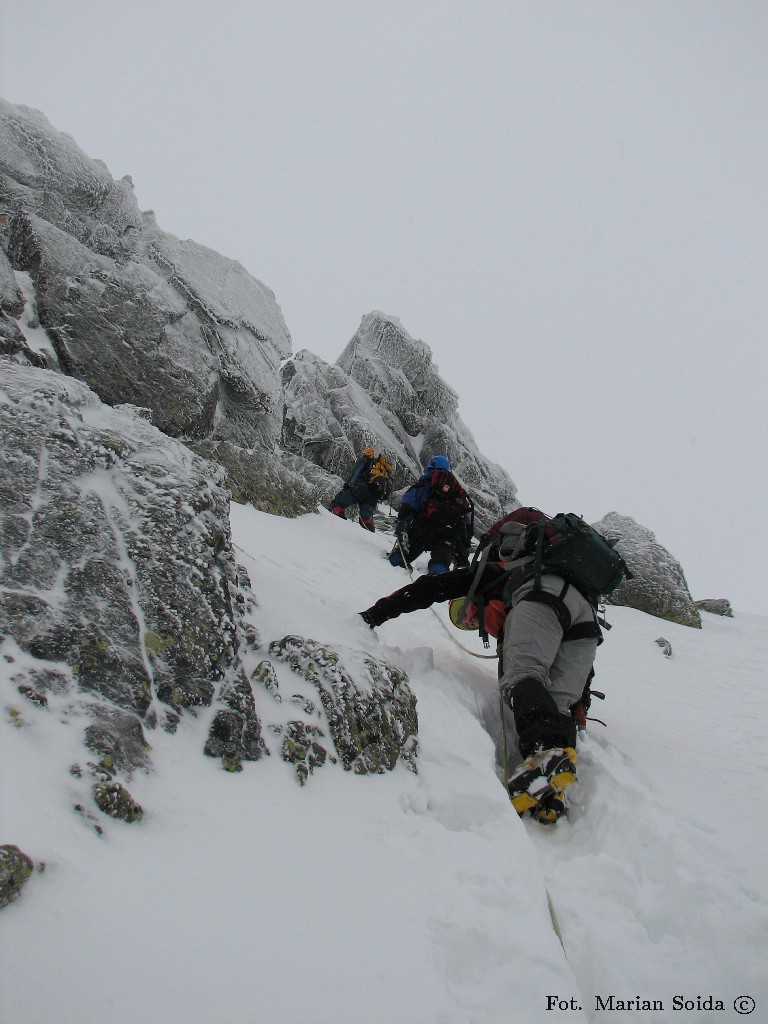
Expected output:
(369, 483)
(436, 515)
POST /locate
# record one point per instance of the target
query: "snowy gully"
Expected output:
(614, 1004)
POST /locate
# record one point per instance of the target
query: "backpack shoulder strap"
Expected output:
(477, 566)
(537, 558)
(361, 468)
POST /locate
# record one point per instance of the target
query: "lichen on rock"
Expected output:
(369, 704)
(114, 799)
(117, 738)
(265, 674)
(302, 748)
(130, 530)
(260, 478)
(15, 869)
(235, 733)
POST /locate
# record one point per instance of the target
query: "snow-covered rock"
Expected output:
(15, 869)
(117, 575)
(11, 299)
(265, 479)
(658, 586)
(171, 326)
(369, 704)
(716, 606)
(330, 418)
(90, 287)
(120, 591)
(398, 373)
(139, 315)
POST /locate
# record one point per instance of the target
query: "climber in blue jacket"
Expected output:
(435, 515)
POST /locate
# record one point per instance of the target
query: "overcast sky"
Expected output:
(567, 201)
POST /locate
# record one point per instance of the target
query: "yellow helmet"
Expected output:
(454, 611)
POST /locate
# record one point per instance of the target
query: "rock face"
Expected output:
(119, 587)
(235, 734)
(137, 314)
(91, 287)
(117, 571)
(659, 586)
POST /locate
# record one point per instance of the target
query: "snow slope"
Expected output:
(402, 899)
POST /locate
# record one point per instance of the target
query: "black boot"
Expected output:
(538, 721)
(547, 741)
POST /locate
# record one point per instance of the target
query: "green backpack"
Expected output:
(571, 548)
(564, 545)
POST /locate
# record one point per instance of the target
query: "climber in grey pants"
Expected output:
(550, 639)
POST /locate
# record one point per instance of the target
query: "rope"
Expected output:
(461, 647)
(448, 633)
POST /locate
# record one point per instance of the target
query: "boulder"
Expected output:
(716, 606)
(15, 869)
(658, 586)
(114, 799)
(368, 703)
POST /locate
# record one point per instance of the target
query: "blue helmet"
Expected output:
(439, 462)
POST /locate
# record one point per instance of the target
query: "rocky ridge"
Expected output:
(92, 288)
